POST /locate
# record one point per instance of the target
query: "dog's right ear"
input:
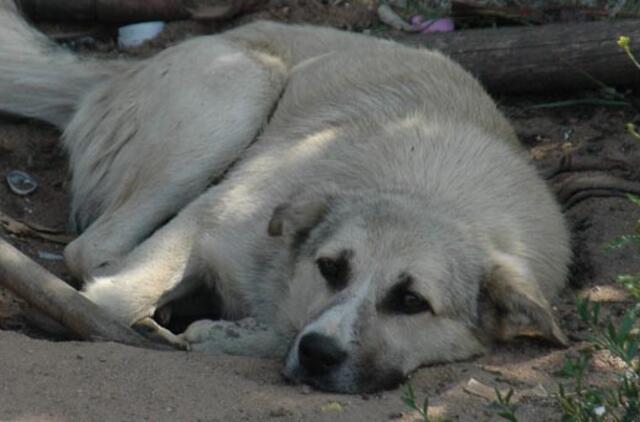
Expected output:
(513, 304)
(290, 219)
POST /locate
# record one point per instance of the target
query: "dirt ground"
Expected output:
(44, 379)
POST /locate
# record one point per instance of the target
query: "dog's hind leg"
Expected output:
(116, 232)
(159, 136)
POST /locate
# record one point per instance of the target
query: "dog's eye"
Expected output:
(412, 303)
(401, 299)
(335, 271)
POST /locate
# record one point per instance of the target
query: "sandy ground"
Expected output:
(42, 378)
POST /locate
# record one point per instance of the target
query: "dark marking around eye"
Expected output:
(336, 271)
(402, 300)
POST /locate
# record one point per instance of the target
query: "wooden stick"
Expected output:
(63, 303)
(548, 58)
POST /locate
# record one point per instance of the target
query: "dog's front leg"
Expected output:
(245, 337)
(158, 271)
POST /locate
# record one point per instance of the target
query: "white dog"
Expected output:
(364, 200)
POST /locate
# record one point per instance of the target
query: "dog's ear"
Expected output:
(512, 304)
(302, 216)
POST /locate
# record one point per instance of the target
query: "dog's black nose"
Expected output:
(319, 354)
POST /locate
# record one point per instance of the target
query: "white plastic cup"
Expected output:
(135, 34)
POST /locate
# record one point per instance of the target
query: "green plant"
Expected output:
(578, 400)
(593, 403)
(621, 401)
(409, 398)
(625, 43)
(506, 409)
(630, 281)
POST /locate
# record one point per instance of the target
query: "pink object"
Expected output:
(432, 25)
(416, 20)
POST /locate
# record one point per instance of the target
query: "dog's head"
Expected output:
(382, 285)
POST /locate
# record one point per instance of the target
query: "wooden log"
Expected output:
(509, 60)
(549, 58)
(125, 11)
(61, 302)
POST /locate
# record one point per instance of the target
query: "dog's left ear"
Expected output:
(512, 304)
(289, 219)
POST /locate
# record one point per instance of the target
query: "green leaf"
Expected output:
(634, 198)
(621, 241)
(507, 399)
(408, 396)
(596, 313)
(508, 416)
(589, 312)
(625, 326)
(631, 349)
(631, 282)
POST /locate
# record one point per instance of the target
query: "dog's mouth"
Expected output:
(345, 383)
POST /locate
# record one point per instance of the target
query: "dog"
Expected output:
(363, 200)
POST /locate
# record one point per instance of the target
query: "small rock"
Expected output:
(306, 389)
(7, 145)
(332, 406)
(396, 415)
(50, 256)
(280, 412)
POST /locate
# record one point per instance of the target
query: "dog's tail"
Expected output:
(38, 78)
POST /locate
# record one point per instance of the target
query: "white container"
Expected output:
(135, 34)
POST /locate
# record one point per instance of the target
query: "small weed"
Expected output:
(506, 409)
(593, 403)
(621, 401)
(581, 402)
(409, 398)
(624, 43)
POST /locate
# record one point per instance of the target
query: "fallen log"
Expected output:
(126, 11)
(507, 60)
(56, 299)
(549, 58)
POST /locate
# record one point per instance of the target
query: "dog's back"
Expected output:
(382, 117)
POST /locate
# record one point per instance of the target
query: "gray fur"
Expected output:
(418, 171)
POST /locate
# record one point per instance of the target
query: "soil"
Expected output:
(42, 378)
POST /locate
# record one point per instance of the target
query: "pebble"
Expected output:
(332, 406)
(280, 412)
(50, 256)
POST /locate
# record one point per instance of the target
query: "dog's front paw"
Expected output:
(245, 337)
(157, 333)
(115, 296)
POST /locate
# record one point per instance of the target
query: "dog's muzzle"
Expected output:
(318, 360)
(315, 359)
(319, 354)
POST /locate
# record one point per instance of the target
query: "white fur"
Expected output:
(304, 130)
